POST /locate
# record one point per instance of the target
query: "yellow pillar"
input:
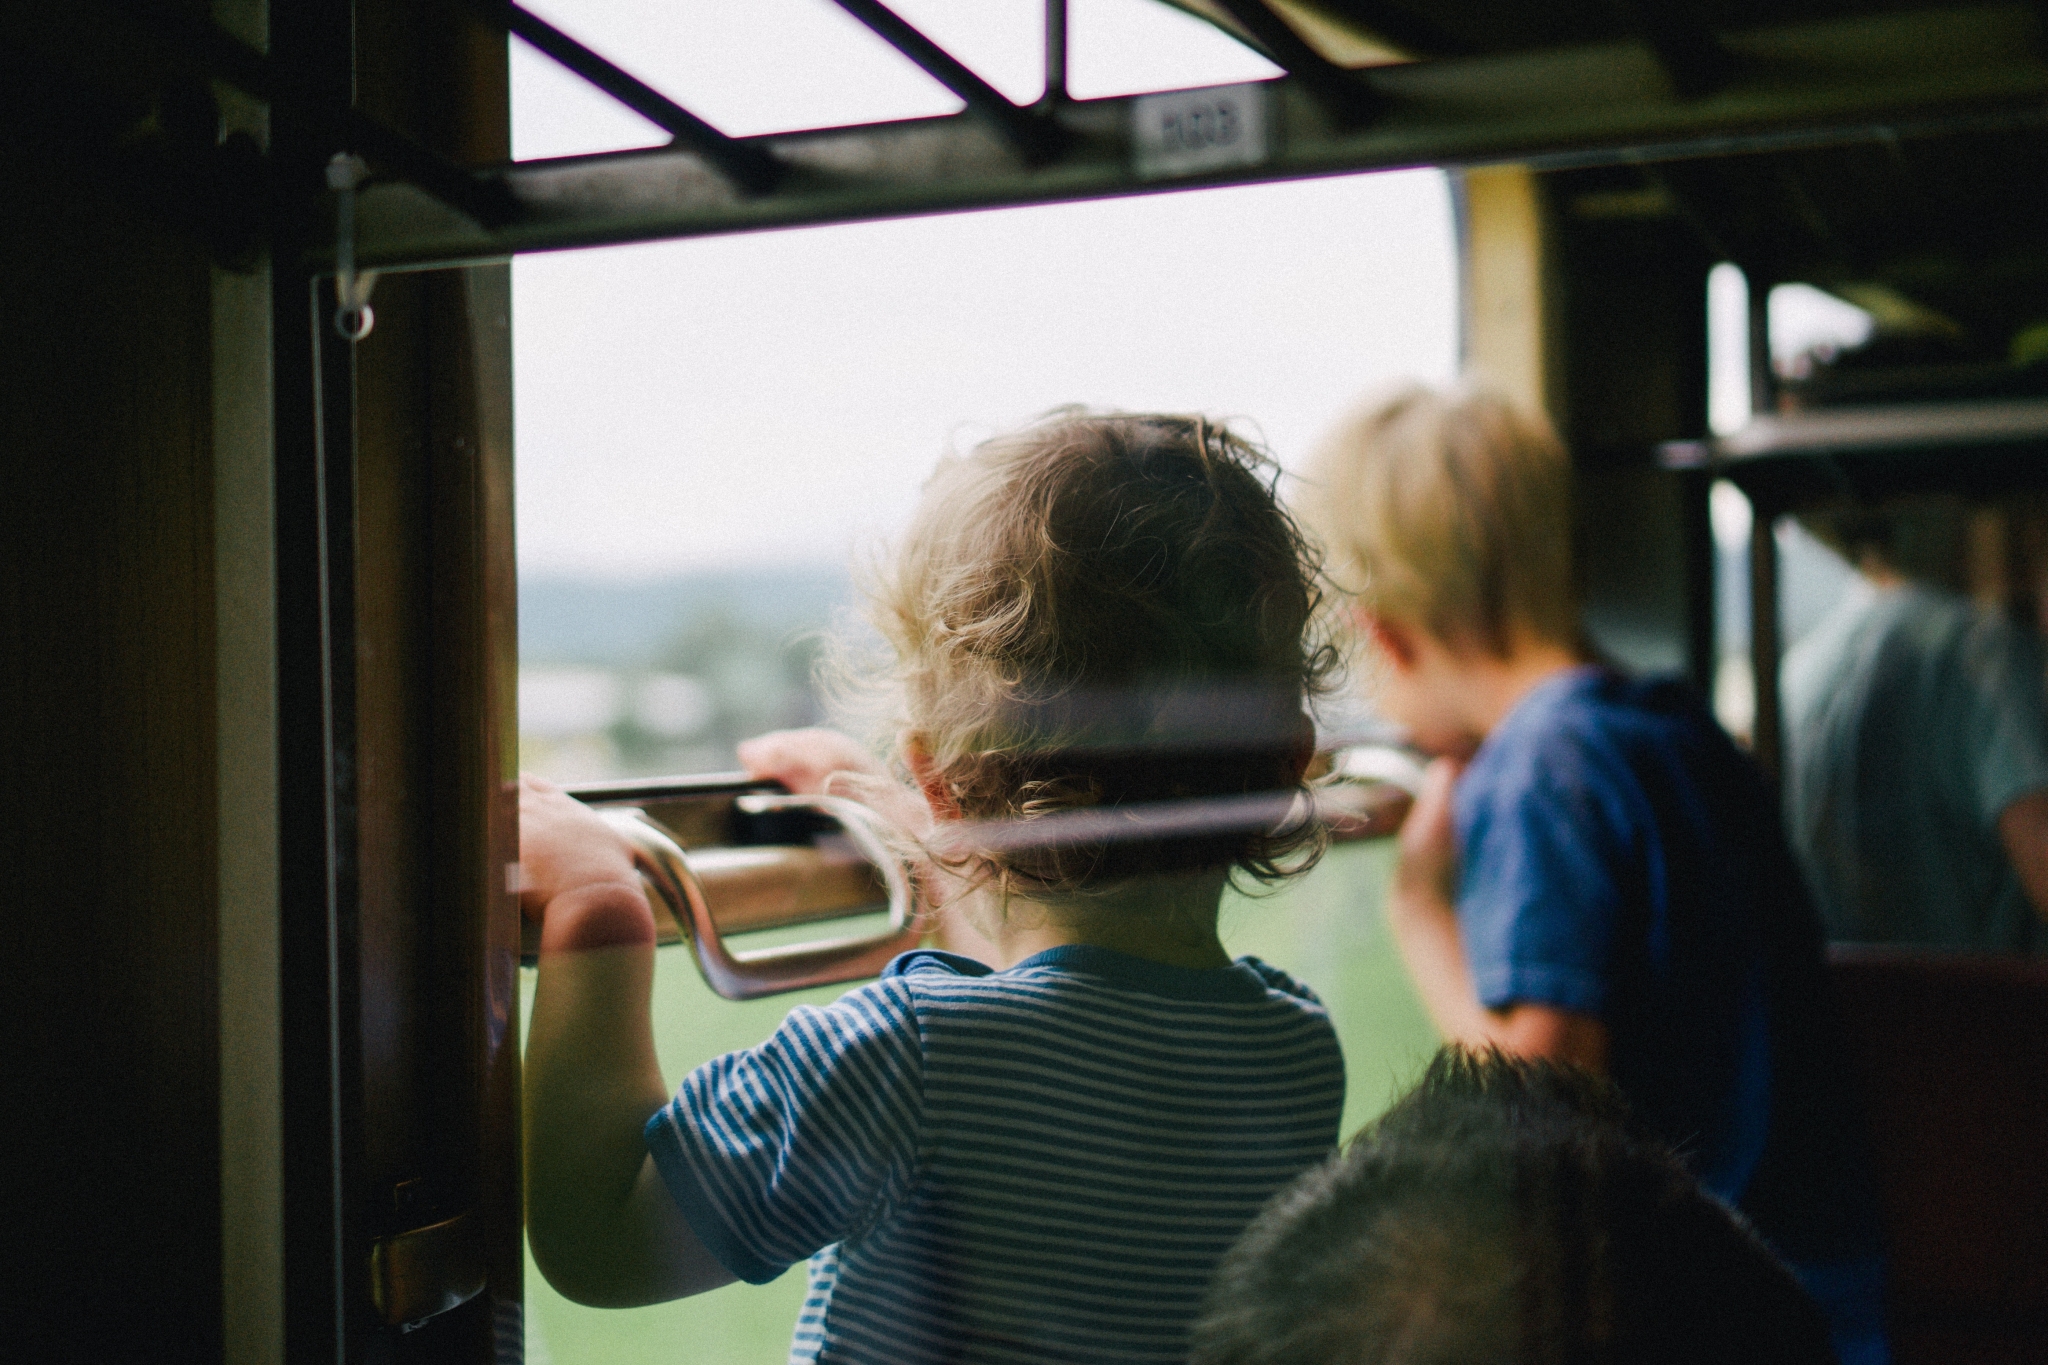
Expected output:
(1508, 312)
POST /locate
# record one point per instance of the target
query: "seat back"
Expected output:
(1953, 1055)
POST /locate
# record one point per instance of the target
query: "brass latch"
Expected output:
(429, 1270)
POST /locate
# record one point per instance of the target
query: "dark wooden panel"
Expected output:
(436, 807)
(433, 621)
(1630, 346)
(107, 803)
(1954, 1058)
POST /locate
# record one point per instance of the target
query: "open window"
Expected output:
(276, 660)
(714, 435)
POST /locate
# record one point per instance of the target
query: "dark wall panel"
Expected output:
(1631, 337)
(107, 796)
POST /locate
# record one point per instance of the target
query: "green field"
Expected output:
(1327, 929)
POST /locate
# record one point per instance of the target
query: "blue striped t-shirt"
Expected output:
(1038, 1164)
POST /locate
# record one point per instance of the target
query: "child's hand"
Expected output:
(804, 760)
(1429, 842)
(564, 846)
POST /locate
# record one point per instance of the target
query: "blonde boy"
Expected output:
(1592, 872)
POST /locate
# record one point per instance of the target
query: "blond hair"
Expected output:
(1107, 613)
(1452, 512)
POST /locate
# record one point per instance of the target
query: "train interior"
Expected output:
(1763, 266)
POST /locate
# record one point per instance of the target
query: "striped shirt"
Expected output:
(1038, 1164)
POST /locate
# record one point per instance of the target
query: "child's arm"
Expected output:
(1421, 909)
(603, 1227)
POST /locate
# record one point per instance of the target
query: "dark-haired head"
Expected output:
(1502, 1213)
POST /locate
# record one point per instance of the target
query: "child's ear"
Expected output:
(924, 770)
(1393, 639)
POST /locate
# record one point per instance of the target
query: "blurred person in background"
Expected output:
(1916, 779)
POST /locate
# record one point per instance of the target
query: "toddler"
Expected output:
(1101, 632)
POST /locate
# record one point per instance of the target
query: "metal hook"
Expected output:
(352, 316)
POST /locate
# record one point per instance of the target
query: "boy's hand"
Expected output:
(563, 845)
(1428, 865)
(574, 864)
(804, 760)
(807, 761)
(1422, 911)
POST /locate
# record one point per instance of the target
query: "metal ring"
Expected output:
(354, 323)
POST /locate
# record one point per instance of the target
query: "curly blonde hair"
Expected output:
(1109, 613)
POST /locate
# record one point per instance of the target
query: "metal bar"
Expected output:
(690, 786)
(1767, 730)
(488, 200)
(746, 164)
(1800, 85)
(1038, 139)
(312, 54)
(1346, 92)
(1880, 427)
(1763, 382)
(1055, 53)
(1697, 545)
(1406, 30)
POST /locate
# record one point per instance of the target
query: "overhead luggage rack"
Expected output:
(1865, 455)
(1868, 453)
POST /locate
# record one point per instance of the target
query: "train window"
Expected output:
(712, 433)
(1882, 478)
(1805, 329)
(1812, 579)
(1810, 328)
(1728, 379)
(775, 65)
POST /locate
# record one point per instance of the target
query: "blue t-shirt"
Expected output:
(1622, 859)
(1043, 1163)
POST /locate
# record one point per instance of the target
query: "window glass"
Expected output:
(1811, 327)
(1812, 581)
(1728, 379)
(773, 66)
(1127, 47)
(712, 432)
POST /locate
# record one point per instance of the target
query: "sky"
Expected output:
(779, 397)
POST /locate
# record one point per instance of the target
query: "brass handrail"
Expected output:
(711, 890)
(677, 890)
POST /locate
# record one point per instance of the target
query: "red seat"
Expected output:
(1953, 1053)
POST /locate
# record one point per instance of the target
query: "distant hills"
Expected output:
(566, 619)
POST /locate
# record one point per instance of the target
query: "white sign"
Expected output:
(1187, 132)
